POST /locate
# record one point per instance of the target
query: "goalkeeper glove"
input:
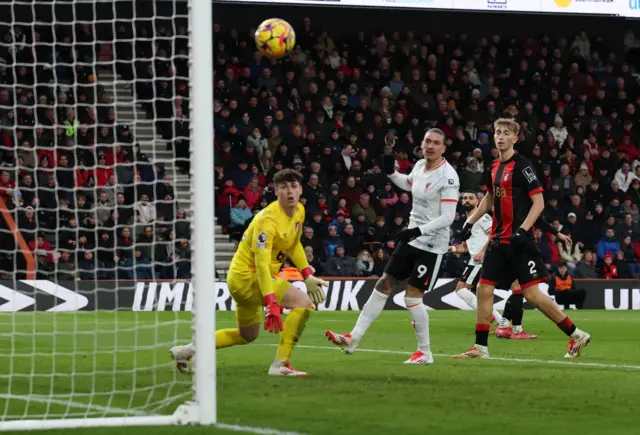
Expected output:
(408, 235)
(314, 289)
(273, 319)
(388, 164)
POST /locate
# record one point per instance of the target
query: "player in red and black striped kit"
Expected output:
(515, 196)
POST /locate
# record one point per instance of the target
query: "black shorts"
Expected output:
(471, 275)
(504, 264)
(421, 268)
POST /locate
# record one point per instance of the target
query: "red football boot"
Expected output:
(503, 332)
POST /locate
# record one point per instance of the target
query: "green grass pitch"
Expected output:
(69, 365)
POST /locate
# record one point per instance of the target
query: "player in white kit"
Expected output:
(476, 246)
(435, 188)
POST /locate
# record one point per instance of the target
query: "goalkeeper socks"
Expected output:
(369, 314)
(293, 327)
(228, 338)
(420, 318)
(467, 296)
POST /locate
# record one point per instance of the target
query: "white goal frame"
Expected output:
(202, 409)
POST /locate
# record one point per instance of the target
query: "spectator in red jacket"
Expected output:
(631, 152)
(351, 192)
(103, 171)
(7, 186)
(228, 194)
(609, 270)
(41, 247)
(252, 193)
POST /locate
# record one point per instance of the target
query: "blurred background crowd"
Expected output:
(89, 204)
(86, 201)
(339, 102)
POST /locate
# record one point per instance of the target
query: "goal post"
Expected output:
(87, 319)
(201, 34)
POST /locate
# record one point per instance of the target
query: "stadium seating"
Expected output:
(341, 100)
(79, 184)
(76, 181)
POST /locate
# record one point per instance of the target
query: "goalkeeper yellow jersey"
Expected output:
(270, 238)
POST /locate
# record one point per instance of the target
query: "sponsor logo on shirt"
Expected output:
(451, 184)
(529, 174)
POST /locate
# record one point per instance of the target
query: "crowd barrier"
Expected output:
(342, 295)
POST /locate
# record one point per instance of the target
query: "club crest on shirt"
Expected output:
(262, 240)
(506, 177)
(427, 186)
(297, 226)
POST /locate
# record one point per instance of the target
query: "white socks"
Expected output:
(374, 307)
(516, 329)
(498, 316)
(577, 334)
(369, 314)
(420, 318)
(467, 296)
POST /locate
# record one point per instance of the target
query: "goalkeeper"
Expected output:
(273, 235)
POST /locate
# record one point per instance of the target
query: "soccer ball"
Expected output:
(275, 38)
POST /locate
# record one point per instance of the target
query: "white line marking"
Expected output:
(37, 398)
(522, 360)
(251, 429)
(105, 410)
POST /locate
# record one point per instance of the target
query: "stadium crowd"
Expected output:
(338, 102)
(87, 203)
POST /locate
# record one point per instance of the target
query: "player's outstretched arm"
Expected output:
(401, 180)
(266, 231)
(314, 285)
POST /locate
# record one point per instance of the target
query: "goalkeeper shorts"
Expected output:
(247, 294)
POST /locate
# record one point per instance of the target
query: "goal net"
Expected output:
(97, 206)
